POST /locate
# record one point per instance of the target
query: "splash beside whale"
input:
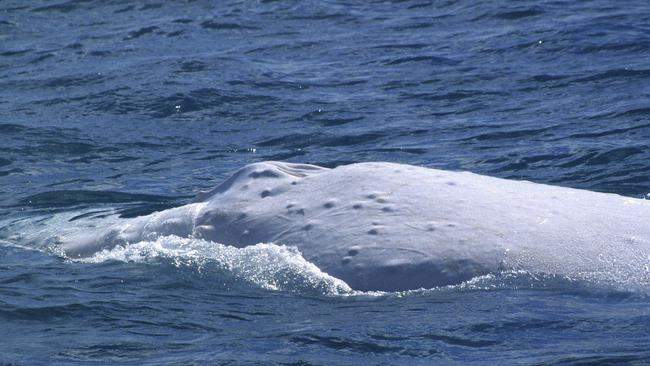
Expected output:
(385, 226)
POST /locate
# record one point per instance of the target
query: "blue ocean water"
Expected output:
(121, 108)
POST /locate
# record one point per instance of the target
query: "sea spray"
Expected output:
(269, 266)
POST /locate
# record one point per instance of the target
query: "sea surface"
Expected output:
(121, 108)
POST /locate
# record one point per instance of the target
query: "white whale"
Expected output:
(384, 226)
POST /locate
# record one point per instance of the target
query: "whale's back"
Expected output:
(386, 226)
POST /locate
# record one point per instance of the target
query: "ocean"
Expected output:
(122, 108)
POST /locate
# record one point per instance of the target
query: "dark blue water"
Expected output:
(123, 108)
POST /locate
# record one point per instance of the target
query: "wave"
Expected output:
(267, 266)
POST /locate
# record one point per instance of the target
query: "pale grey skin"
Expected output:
(384, 226)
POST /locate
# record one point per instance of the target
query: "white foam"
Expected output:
(268, 266)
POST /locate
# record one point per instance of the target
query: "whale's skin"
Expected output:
(385, 226)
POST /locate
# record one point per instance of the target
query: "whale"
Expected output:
(394, 227)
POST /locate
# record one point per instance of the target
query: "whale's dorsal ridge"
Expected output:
(262, 170)
(294, 169)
